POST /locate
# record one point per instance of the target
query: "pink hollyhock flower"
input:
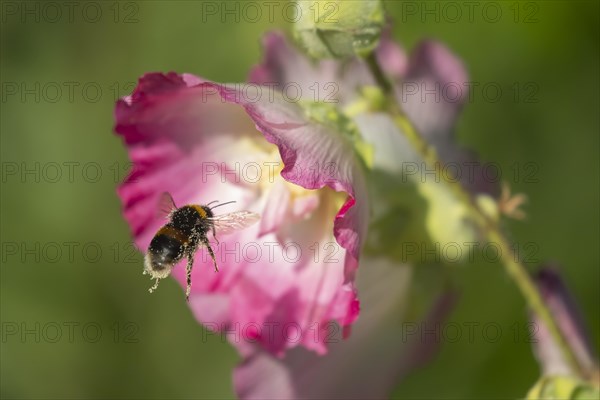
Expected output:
(290, 274)
(282, 281)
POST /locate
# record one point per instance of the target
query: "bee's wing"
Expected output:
(166, 205)
(228, 223)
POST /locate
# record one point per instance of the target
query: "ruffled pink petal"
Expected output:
(314, 156)
(182, 133)
(368, 365)
(183, 103)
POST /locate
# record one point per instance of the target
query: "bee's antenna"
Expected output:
(214, 201)
(222, 204)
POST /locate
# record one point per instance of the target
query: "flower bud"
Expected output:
(563, 307)
(341, 28)
(562, 387)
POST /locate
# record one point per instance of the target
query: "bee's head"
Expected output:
(208, 210)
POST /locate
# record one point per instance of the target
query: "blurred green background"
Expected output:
(150, 346)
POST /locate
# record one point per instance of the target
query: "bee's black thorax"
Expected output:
(192, 219)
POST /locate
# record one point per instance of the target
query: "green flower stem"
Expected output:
(490, 228)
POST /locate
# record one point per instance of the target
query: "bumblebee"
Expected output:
(186, 231)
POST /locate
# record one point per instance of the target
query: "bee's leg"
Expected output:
(188, 271)
(214, 232)
(210, 252)
(153, 288)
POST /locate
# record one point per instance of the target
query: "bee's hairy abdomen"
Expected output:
(167, 247)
